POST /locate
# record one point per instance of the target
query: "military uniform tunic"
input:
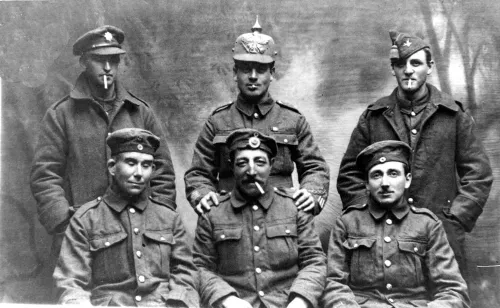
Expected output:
(392, 258)
(265, 252)
(210, 170)
(119, 253)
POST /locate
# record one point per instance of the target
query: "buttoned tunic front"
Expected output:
(118, 252)
(264, 251)
(392, 258)
(210, 170)
(69, 166)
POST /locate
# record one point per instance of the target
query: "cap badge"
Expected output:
(254, 43)
(382, 159)
(407, 43)
(140, 147)
(108, 36)
(254, 142)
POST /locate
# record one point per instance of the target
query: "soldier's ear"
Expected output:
(235, 71)
(111, 166)
(407, 180)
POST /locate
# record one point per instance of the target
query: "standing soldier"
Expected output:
(254, 55)
(69, 167)
(451, 172)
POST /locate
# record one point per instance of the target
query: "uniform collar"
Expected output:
(118, 203)
(436, 98)
(265, 200)
(417, 104)
(248, 108)
(81, 91)
(399, 211)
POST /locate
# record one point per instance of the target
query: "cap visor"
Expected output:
(107, 51)
(253, 58)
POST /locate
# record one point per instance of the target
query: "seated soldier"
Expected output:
(126, 248)
(256, 249)
(387, 253)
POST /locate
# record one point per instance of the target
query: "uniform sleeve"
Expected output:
(310, 280)
(73, 273)
(47, 172)
(183, 272)
(312, 169)
(201, 178)
(212, 287)
(448, 287)
(350, 183)
(474, 172)
(163, 179)
(337, 292)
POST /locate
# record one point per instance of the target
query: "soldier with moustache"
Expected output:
(254, 57)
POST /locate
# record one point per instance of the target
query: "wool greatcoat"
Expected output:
(69, 166)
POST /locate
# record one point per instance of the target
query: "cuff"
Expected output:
(466, 211)
(56, 215)
(189, 297)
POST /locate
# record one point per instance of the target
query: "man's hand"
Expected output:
(303, 200)
(298, 302)
(205, 203)
(235, 302)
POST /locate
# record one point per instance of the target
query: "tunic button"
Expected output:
(388, 221)
(138, 253)
(142, 278)
(223, 236)
(256, 228)
(256, 248)
(136, 230)
(109, 134)
(256, 115)
(287, 231)
(387, 239)
(107, 244)
(258, 270)
(99, 198)
(255, 207)
(413, 113)
(274, 129)
(410, 200)
(415, 249)
(355, 245)
(138, 298)
(388, 286)
(414, 131)
(391, 300)
(261, 293)
(285, 140)
(132, 210)
(387, 263)
(162, 238)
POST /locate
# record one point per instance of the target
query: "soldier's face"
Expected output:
(100, 67)
(387, 183)
(131, 172)
(411, 73)
(249, 167)
(253, 78)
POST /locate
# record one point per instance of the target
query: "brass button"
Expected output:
(387, 239)
(162, 238)
(136, 230)
(285, 140)
(388, 221)
(107, 244)
(256, 115)
(287, 231)
(414, 131)
(256, 228)
(255, 207)
(387, 263)
(258, 270)
(410, 200)
(132, 210)
(256, 248)
(415, 249)
(391, 300)
(261, 293)
(355, 245)
(99, 198)
(138, 298)
(388, 286)
(142, 278)
(223, 236)
(138, 253)
(413, 113)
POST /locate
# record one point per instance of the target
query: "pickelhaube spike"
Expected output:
(257, 27)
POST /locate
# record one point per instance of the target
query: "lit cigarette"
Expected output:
(409, 83)
(259, 188)
(105, 82)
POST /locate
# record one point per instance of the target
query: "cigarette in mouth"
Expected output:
(259, 188)
(105, 82)
(409, 83)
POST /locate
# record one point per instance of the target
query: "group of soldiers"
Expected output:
(413, 180)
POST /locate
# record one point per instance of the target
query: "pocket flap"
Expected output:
(220, 139)
(286, 139)
(412, 247)
(227, 234)
(107, 240)
(355, 243)
(165, 237)
(281, 230)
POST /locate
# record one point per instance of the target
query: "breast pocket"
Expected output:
(109, 256)
(411, 259)
(283, 163)
(362, 260)
(282, 246)
(157, 251)
(232, 257)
